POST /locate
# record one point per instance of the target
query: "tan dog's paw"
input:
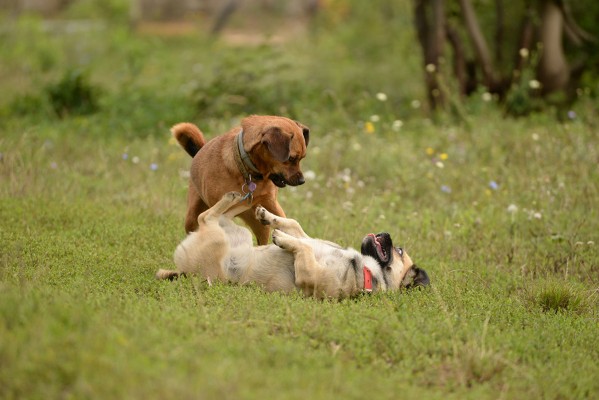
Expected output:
(282, 239)
(265, 217)
(233, 197)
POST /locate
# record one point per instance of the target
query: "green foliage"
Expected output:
(555, 296)
(114, 11)
(73, 95)
(256, 82)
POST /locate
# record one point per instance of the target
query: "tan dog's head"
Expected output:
(276, 145)
(398, 268)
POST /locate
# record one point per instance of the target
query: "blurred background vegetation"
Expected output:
(213, 59)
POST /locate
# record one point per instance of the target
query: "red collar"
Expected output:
(367, 279)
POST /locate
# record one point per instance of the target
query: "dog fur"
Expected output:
(222, 250)
(274, 145)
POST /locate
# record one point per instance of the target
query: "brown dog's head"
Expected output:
(276, 145)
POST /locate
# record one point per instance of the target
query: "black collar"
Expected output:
(244, 162)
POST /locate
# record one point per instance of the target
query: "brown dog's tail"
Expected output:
(167, 274)
(189, 137)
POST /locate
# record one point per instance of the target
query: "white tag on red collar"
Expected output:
(367, 279)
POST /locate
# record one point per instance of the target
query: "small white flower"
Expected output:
(440, 164)
(512, 209)
(537, 215)
(487, 97)
(415, 103)
(381, 96)
(430, 68)
(356, 146)
(397, 124)
(135, 160)
(590, 243)
(534, 84)
(523, 52)
(347, 205)
(309, 175)
(375, 118)
(535, 136)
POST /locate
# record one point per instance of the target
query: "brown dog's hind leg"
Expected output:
(195, 206)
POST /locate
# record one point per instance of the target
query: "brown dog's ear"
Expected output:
(305, 131)
(277, 143)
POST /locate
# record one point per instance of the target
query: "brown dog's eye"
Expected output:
(293, 160)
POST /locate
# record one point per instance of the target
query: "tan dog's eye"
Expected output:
(293, 160)
(399, 251)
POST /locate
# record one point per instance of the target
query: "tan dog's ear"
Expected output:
(305, 131)
(277, 143)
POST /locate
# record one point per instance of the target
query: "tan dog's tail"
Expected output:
(167, 274)
(189, 137)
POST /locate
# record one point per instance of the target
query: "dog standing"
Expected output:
(222, 250)
(256, 158)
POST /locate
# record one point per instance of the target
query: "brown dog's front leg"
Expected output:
(262, 232)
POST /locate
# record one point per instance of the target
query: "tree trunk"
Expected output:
(480, 45)
(553, 70)
(431, 42)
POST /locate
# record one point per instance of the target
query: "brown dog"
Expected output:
(256, 158)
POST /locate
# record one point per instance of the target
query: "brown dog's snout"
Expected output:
(297, 179)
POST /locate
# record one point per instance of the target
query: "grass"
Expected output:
(501, 213)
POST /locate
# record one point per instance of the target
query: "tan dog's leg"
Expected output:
(287, 225)
(204, 250)
(213, 239)
(308, 272)
(212, 215)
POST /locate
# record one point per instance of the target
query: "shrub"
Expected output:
(73, 95)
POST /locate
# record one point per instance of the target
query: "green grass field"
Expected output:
(502, 213)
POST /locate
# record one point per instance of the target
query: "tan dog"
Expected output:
(257, 158)
(222, 250)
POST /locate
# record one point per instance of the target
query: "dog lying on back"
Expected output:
(257, 158)
(222, 250)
